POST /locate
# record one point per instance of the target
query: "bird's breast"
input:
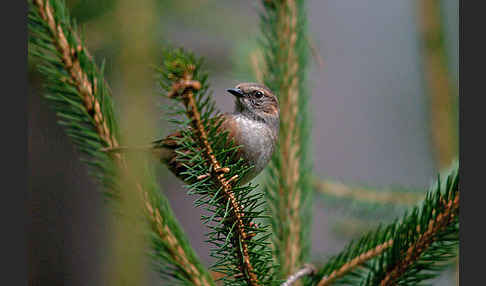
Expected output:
(257, 142)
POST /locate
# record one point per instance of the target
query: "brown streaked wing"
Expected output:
(164, 149)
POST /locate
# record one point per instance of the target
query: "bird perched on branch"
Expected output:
(253, 125)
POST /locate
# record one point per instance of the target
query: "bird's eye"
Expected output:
(258, 94)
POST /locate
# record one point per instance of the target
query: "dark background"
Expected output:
(369, 108)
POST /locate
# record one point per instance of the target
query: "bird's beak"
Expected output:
(236, 92)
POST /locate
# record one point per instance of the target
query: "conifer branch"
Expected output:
(174, 246)
(418, 242)
(77, 76)
(439, 87)
(257, 64)
(363, 194)
(184, 89)
(81, 98)
(289, 143)
(212, 170)
(286, 51)
(355, 262)
(443, 219)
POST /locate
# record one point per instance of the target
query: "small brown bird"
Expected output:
(253, 125)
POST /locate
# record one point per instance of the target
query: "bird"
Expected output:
(253, 125)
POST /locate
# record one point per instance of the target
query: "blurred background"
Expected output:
(384, 84)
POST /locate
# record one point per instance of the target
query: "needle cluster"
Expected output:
(213, 174)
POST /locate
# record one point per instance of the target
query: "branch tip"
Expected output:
(306, 270)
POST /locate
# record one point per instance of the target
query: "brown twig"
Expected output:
(441, 221)
(184, 88)
(352, 264)
(308, 269)
(87, 91)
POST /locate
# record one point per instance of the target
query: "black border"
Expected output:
(471, 87)
(14, 141)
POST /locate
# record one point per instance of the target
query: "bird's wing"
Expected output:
(173, 139)
(165, 149)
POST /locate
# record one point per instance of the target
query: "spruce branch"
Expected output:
(439, 86)
(78, 78)
(443, 100)
(256, 60)
(363, 204)
(213, 173)
(171, 242)
(397, 253)
(355, 262)
(367, 195)
(286, 49)
(217, 171)
(413, 253)
(81, 98)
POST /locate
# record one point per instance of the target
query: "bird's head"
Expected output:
(256, 101)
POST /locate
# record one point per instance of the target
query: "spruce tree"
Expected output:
(259, 235)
